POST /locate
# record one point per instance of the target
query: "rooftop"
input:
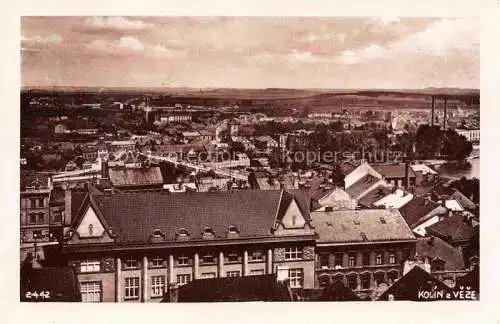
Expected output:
(434, 247)
(133, 176)
(360, 226)
(452, 229)
(417, 208)
(235, 289)
(395, 170)
(360, 186)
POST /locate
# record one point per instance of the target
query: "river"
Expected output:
(473, 172)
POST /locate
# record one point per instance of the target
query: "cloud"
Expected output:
(441, 38)
(132, 43)
(112, 24)
(44, 40)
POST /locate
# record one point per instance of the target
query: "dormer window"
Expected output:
(232, 231)
(182, 234)
(208, 233)
(157, 233)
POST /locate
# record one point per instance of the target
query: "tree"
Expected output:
(456, 147)
(428, 141)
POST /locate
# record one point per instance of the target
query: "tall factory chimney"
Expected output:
(432, 112)
(444, 116)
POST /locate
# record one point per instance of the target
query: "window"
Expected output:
(233, 257)
(324, 260)
(208, 258)
(233, 274)
(182, 260)
(131, 264)
(57, 217)
(91, 230)
(257, 256)
(41, 202)
(41, 218)
(32, 218)
(257, 272)
(379, 278)
(352, 281)
(293, 253)
(157, 286)
(233, 230)
(182, 233)
(208, 233)
(365, 281)
(366, 258)
(392, 258)
(295, 276)
(339, 262)
(32, 203)
(90, 266)
(183, 279)
(352, 260)
(294, 220)
(378, 259)
(157, 262)
(132, 288)
(91, 291)
(208, 275)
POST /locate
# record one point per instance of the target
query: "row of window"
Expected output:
(352, 260)
(36, 203)
(182, 260)
(365, 279)
(91, 291)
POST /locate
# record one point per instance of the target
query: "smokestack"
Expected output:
(407, 180)
(432, 112)
(67, 207)
(444, 117)
(104, 169)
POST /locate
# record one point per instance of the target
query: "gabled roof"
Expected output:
(434, 247)
(395, 170)
(408, 286)
(360, 186)
(61, 283)
(134, 216)
(452, 229)
(360, 226)
(235, 289)
(417, 208)
(135, 177)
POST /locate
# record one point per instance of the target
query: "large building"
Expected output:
(361, 248)
(131, 246)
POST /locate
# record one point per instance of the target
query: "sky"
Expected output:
(251, 52)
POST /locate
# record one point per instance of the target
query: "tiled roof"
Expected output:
(360, 186)
(61, 283)
(417, 208)
(452, 229)
(132, 177)
(235, 289)
(434, 247)
(134, 216)
(360, 226)
(396, 170)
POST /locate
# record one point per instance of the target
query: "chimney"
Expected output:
(67, 207)
(173, 293)
(432, 112)
(444, 116)
(104, 169)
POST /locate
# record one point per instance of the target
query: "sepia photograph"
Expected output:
(195, 159)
